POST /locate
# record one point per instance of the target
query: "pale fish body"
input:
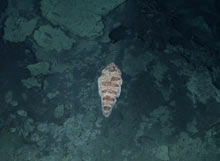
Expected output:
(109, 84)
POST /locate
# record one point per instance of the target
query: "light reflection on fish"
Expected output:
(109, 84)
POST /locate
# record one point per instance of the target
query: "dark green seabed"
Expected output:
(52, 53)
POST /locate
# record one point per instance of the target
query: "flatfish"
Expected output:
(109, 85)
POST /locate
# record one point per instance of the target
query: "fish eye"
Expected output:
(112, 69)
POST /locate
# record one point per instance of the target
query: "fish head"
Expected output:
(111, 68)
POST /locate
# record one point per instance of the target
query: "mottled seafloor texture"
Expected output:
(52, 53)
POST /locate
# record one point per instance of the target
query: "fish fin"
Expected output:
(99, 86)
